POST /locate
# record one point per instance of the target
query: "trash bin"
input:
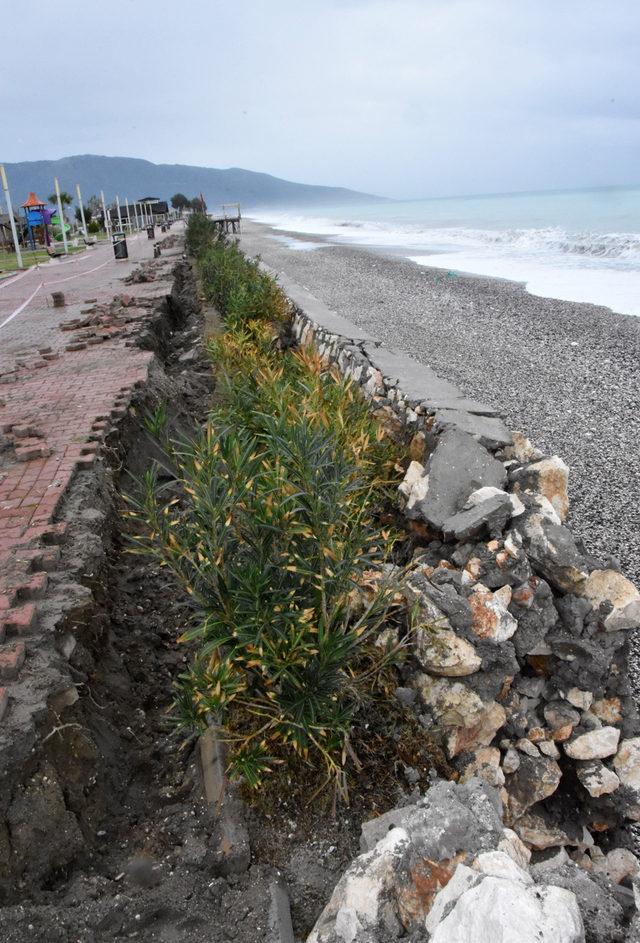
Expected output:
(119, 241)
(151, 232)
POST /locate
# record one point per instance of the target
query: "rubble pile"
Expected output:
(521, 639)
(102, 322)
(446, 869)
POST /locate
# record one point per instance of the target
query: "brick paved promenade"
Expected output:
(65, 373)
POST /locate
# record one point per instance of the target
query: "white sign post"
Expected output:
(61, 217)
(12, 222)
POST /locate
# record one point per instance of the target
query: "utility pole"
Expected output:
(126, 200)
(61, 217)
(84, 225)
(118, 206)
(12, 222)
(107, 221)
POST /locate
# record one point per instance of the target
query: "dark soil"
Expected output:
(146, 871)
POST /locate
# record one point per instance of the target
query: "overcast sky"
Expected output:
(399, 97)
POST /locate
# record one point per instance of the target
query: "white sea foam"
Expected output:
(572, 262)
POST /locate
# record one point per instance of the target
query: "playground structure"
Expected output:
(40, 217)
(46, 228)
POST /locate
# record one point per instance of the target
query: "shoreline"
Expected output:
(566, 373)
(415, 256)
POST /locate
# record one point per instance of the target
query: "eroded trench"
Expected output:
(109, 833)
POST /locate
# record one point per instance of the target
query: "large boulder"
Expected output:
(501, 904)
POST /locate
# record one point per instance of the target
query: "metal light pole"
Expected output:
(107, 221)
(118, 207)
(12, 222)
(61, 217)
(84, 225)
(126, 200)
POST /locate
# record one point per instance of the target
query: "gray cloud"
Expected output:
(404, 97)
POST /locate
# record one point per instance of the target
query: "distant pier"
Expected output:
(229, 221)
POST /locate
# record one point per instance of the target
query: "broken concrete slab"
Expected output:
(419, 383)
(489, 430)
(433, 403)
(490, 515)
(457, 467)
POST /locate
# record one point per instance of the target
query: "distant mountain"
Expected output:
(134, 178)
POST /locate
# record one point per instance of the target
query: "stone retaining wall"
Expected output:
(522, 639)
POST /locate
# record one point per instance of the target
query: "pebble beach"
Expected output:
(566, 374)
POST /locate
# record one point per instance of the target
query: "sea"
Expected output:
(575, 245)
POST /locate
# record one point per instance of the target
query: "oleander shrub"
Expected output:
(270, 527)
(200, 233)
(232, 282)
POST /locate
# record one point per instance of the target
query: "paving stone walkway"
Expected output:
(65, 375)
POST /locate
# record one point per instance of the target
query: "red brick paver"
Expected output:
(65, 375)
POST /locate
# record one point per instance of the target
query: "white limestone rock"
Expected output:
(503, 911)
(593, 745)
(360, 902)
(442, 652)
(582, 700)
(414, 485)
(498, 864)
(464, 879)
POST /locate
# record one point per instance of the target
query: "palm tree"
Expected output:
(65, 199)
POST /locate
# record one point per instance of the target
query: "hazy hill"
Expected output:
(134, 178)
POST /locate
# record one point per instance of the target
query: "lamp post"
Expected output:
(84, 225)
(118, 208)
(61, 217)
(107, 221)
(12, 222)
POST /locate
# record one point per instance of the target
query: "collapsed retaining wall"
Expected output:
(59, 756)
(521, 649)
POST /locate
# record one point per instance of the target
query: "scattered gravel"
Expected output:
(567, 374)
